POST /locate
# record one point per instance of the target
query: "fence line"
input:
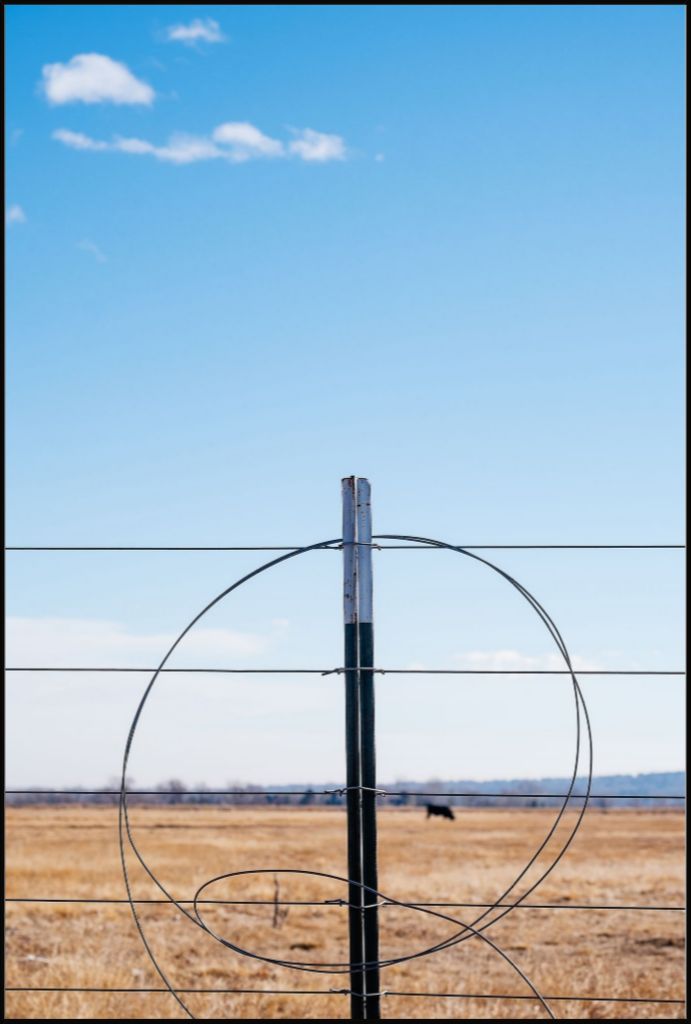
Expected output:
(335, 903)
(337, 547)
(337, 792)
(346, 992)
(377, 671)
(253, 795)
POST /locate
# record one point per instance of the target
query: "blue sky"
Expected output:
(254, 249)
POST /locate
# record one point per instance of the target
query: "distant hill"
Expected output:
(646, 790)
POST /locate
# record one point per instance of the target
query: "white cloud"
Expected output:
(77, 140)
(14, 214)
(94, 78)
(101, 643)
(508, 660)
(88, 246)
(233, 141)
(124, 145)
(201, 30)
(246, 142)
(317, 146)
(180, 149)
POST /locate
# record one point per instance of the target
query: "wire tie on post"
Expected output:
(364, 995)
(359, 789)
(367, 906)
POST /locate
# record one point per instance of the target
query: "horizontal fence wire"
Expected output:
(346, 992)
(335, 903)
(336, 547)
(376, 671)
(162, 793)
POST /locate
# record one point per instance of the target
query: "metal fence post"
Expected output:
(367, 749)
(353, 773)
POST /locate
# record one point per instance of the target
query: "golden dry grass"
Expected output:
(633, 857)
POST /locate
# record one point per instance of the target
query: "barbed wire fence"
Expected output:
(360, 794)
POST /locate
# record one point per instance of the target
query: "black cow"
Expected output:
(441, 811)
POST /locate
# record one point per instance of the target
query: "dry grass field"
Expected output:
(625, 856)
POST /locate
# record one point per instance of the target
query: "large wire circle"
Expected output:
(467, 930)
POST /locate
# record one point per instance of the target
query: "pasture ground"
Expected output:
(620, 856)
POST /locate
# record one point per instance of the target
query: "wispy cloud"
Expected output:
(14, 214)
(201, 30)
(180, 149)
(317, 147)
(77, 140)
(88, 246)
(246, 141)
(98, 642)
(94, 78)
(233, 141)
(510, 660)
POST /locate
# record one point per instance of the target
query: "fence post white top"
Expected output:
(349, 551)
(364, 550)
